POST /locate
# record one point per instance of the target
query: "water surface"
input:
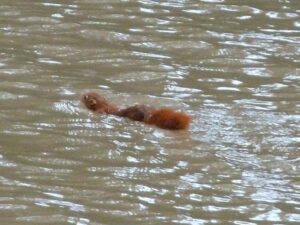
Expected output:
(232, 65)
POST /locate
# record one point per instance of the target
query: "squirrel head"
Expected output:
(94, 101)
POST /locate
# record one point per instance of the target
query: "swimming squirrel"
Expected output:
(165, 118)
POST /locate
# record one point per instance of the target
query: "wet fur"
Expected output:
(169, 119)
(97, 103)
(164, 118)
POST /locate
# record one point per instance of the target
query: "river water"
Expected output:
(232, 65)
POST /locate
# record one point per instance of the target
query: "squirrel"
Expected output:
(165, 118)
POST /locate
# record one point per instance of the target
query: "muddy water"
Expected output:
(233, 65)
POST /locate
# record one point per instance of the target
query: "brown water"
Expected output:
(233, 65)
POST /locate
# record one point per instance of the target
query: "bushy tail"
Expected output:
(169, 119)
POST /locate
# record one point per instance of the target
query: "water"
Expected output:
(232, 65)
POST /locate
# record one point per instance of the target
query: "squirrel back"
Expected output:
(137, 112)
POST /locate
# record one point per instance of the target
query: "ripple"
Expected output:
(37, 19)
(137, 77)
(150, 55)
(66, 107)
(52, 4)
(12, 207)
(278, 15)
(103, 35)
(257, 71)
(57, 15)
(6, 163)
(228, 89)
(195, 11)
(56, 218)
(256, 104)
(6, 95)
(64, 204)
(49, 61)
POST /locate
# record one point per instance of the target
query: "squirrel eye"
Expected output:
(85, 97)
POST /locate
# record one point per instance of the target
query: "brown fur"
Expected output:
(169, 119)
(138, 112)
(164, 118)
(97, 103)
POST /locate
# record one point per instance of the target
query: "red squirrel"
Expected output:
(165, 118)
